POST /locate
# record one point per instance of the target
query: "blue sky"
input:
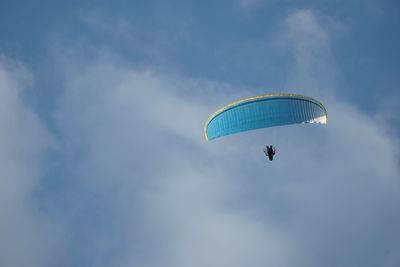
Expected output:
(103, 161)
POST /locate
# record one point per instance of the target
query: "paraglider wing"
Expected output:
(264, 111)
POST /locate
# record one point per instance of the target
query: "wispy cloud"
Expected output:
(250, 4)
(144, 148)
(308, 41)
(138, 136)
(28, 237)
(142, 187)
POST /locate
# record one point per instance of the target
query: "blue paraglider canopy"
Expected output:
(264, 111)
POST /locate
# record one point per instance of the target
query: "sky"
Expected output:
(103, 160)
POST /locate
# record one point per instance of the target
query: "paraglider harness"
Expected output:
(270, 152)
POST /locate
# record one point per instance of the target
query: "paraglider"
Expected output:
(264, 111)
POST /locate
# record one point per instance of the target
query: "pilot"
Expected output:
(270, 152)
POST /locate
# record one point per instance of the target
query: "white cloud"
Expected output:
(347, 193)
(146, 189)
(307, 39)
(177, 200)
(26, 234)
(142, 139)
